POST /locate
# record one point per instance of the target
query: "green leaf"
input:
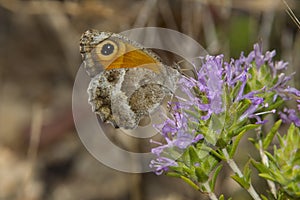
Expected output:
(259, 166)
(270, 156)
(210, 136)
(217, 122)
(247, 128)
(280, 140)
(291, 130)
(222, 197)
(205, 165)
(201, 175)
(266, 176)
(214, 177)
(276, 104)
(241, 181)
(236, 143)
(212, 152)
(186, 170)
(186, 158)
(271, 134)
(193, 155)
(254, 142)
(173, 174)
(190, 182)
(213, 161)
(263, 197)
(178, 169)
(242, 107)
(247, 173)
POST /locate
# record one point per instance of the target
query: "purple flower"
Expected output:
(269, 56)
(221, 88)
(292, 91)
(281, 65)
(162, 164)
(259, 58)
(290, 116)
(177, 135)
(176, 131)
(256, 102)
(209, 82)
(215, 83)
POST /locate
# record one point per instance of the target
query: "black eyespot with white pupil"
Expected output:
(107, 49)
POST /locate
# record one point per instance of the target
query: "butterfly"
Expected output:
(128, 82)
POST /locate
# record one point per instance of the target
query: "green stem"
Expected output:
(235, 169)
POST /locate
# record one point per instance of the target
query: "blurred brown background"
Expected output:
(41, 156)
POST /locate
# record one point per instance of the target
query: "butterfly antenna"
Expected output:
(188, 72)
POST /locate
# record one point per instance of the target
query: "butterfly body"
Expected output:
(128, 82)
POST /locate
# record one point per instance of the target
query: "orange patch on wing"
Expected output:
(135, 58)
